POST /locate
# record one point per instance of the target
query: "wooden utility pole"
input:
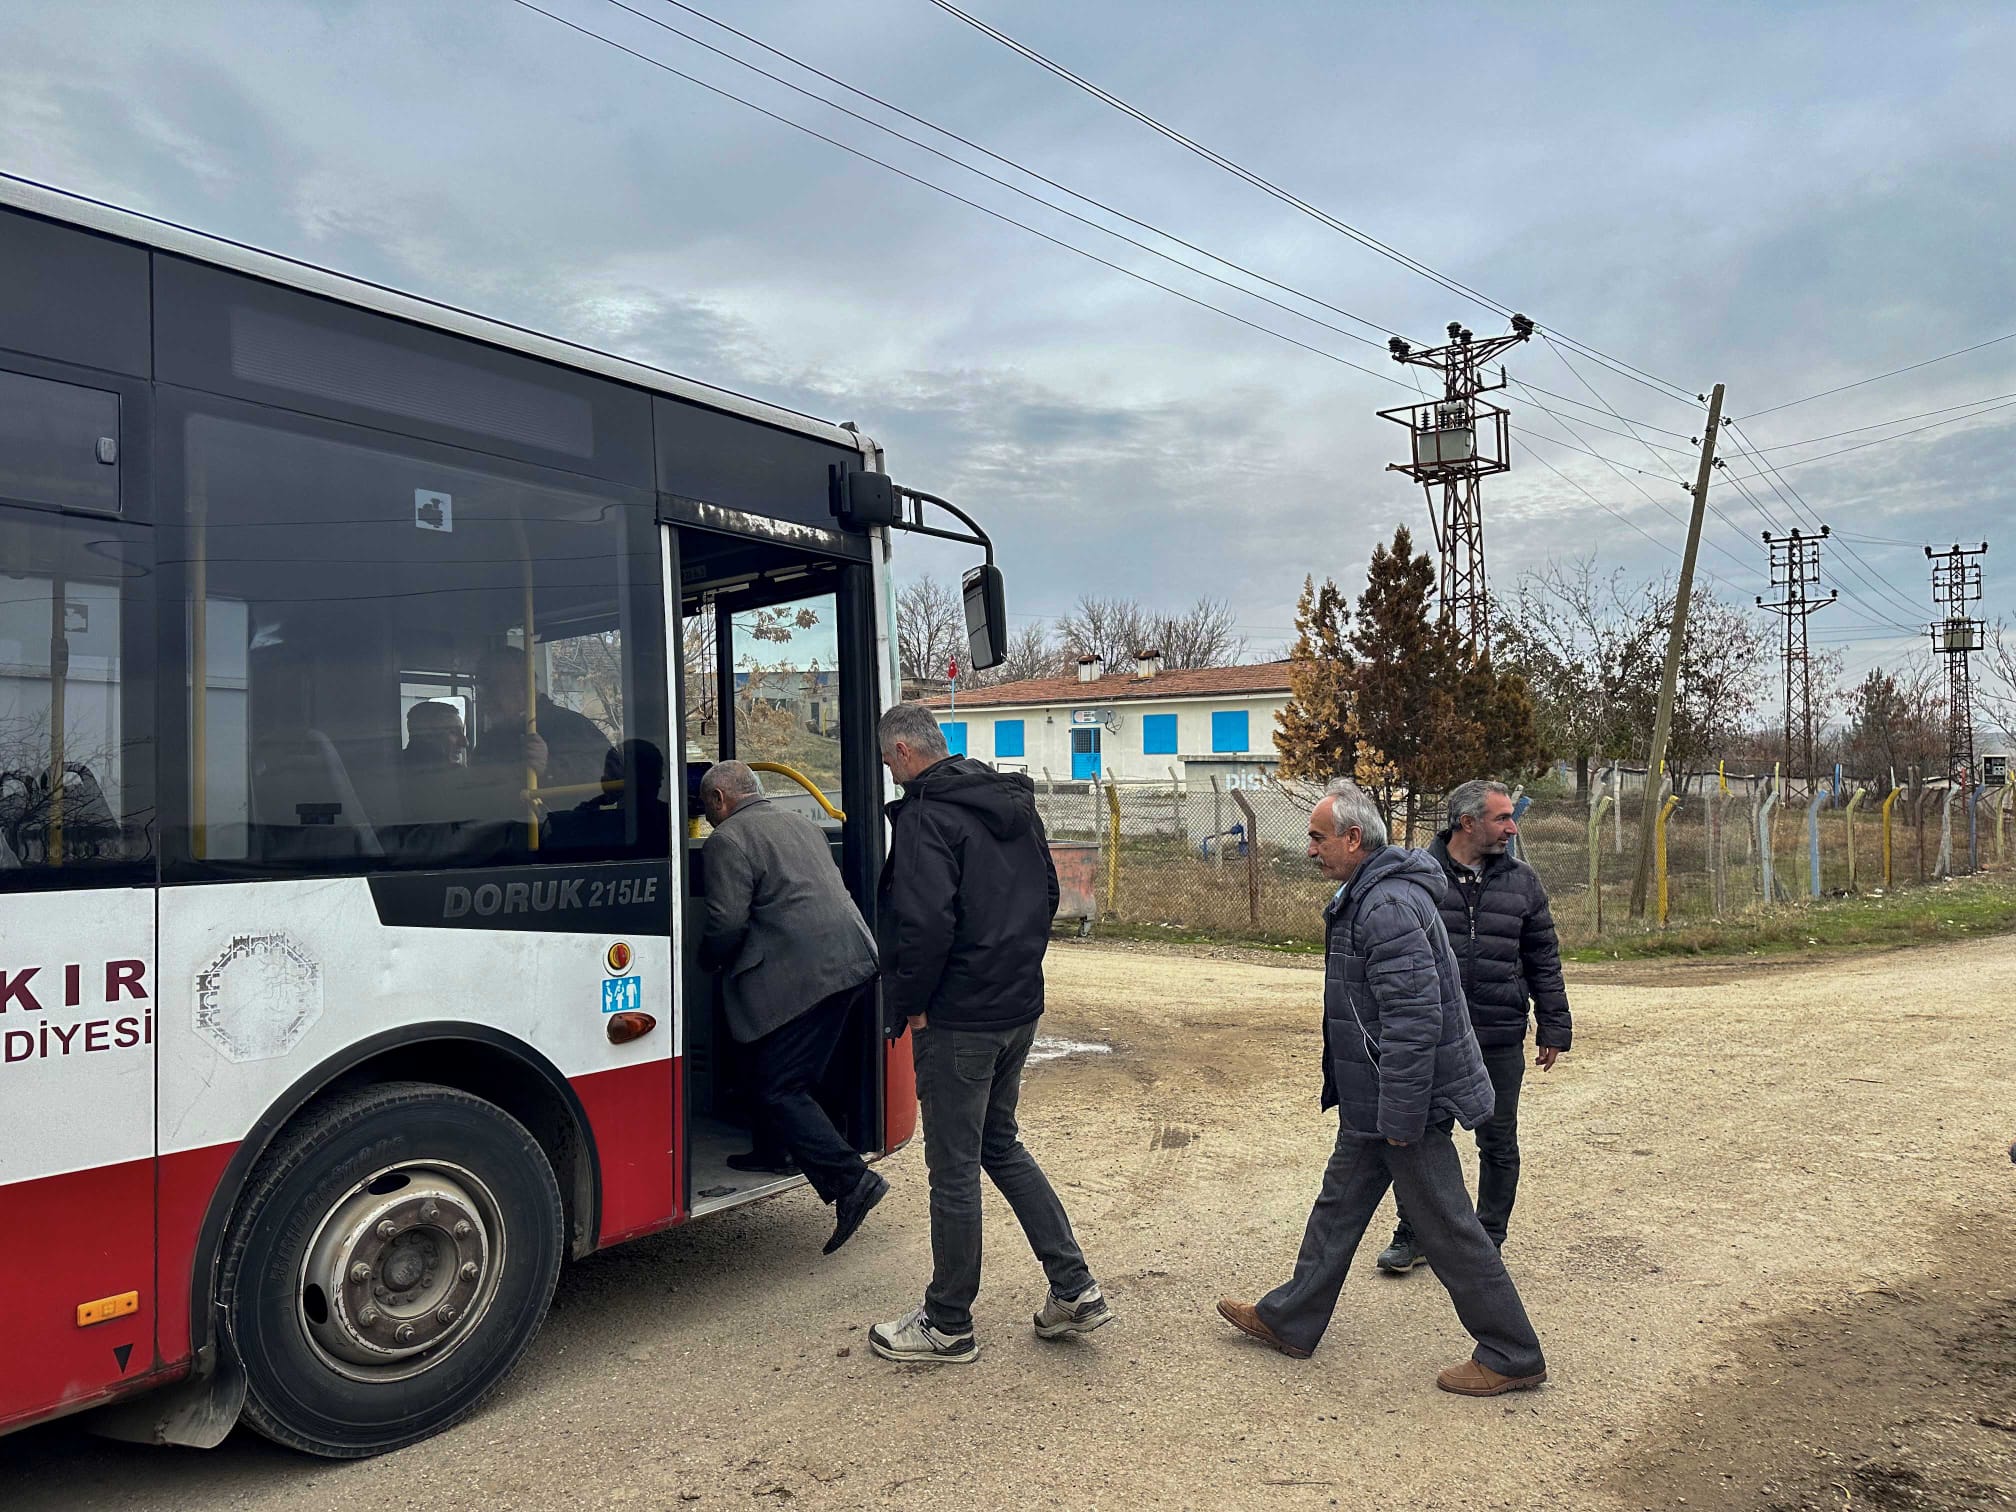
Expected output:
(1676, 639)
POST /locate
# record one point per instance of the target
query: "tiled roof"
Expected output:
(1191, 682)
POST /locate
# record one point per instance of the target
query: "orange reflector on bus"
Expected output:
(105, 1309)
(625, 1027)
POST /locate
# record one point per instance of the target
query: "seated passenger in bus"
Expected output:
(569, 750)
(434, 766)
(631, 778)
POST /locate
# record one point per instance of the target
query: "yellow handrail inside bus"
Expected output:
(803, 781)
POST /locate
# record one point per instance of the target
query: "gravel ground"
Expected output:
(1766, 1233)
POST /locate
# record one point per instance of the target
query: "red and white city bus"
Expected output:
(346, 930)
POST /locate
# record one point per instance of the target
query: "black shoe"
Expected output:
(1402, 1255)
(769, 1165)
(856, 1205)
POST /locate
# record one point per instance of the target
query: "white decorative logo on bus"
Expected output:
(258, 997)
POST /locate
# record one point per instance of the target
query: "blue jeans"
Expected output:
(969, 1081)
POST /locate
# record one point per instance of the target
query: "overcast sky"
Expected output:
(1785, 198)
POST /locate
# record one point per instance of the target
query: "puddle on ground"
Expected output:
(1049, 1048)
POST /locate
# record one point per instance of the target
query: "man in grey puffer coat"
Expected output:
(1401, 1065)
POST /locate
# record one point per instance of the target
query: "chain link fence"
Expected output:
(1231, 859)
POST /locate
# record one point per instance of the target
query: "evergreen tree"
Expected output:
(1410, 682)
(1314, 732)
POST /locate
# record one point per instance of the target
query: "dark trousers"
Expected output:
(1429, 1179)
(785, 1066)
(1497, 1145)
(969, 1081)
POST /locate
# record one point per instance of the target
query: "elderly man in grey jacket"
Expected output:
(795, 957)
(1401, 1065)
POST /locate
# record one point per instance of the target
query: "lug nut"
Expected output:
(405, 1333)
(386, 1229)
(446, 1313)
(368, 1316)
(360, 1273)
(462, 1230)
(431, 1211)
(469, 1271)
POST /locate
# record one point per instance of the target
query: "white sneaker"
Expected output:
(1080, 1315)
(913, 1338)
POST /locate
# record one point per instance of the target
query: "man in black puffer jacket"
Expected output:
(1495, 910)
(967, 897)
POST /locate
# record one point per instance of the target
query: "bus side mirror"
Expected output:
(986, 617)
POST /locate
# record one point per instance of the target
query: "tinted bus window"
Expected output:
(75, 788)
(409, 661)
(59, 444)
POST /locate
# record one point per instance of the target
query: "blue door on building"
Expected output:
(1085, 755)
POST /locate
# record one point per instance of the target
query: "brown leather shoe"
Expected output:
(1474, 1379)
(1244, 1317)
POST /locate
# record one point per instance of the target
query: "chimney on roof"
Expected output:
(1147, 663)
(1090, 668)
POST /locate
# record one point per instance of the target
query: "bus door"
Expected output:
(77, 991)
(778, 671)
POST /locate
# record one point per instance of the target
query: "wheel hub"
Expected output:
(401, 1270)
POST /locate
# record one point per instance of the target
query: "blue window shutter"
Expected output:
(955, 737)
(1007, 737)
(1228, 730)
(1158, 734)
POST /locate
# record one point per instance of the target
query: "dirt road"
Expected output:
(1766, 1233)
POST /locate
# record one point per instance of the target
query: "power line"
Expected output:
(1740, 441)
(1365, 239)
(1944, 409)
(987, 210)
(1879, 377)
(997, 214)
(1883, 440)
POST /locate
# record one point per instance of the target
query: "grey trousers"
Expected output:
(1497, 1145)
(1429, 1180)
(969, 1081)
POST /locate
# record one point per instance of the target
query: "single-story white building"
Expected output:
(1136, 726)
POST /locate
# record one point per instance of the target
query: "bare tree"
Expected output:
(1112, 629)
(1995, 692)
(1204, 635)
(1031, 653)
(930, 630)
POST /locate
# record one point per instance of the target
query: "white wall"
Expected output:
(1047, 734)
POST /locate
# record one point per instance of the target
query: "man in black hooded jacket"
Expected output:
(1495, 910)
(966, 902)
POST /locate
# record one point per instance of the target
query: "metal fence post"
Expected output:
(1822, 791)
(1889, 868)
(1659, 856)
(1617, 805)
(2002, 799)
(1112, 848)
(1520, 803)
(1854, 802)
(1765, 881)
(1252, 857)
(1944, 866)
(1598, 806)
(1973, 827)
(1217, 822)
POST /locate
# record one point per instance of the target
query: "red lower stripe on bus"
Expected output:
(631, 1111)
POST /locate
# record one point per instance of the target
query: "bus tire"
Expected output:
(391, 1259)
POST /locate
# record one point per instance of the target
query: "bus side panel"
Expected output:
(261, 982)
(77, 1031)
(633, 1111)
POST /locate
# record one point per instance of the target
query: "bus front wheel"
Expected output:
(391, 1259)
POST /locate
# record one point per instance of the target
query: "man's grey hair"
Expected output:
(1467, 801)
(1351, 809)
(732, 780)
(917, 727)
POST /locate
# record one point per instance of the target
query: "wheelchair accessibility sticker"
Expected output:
(622, 995)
